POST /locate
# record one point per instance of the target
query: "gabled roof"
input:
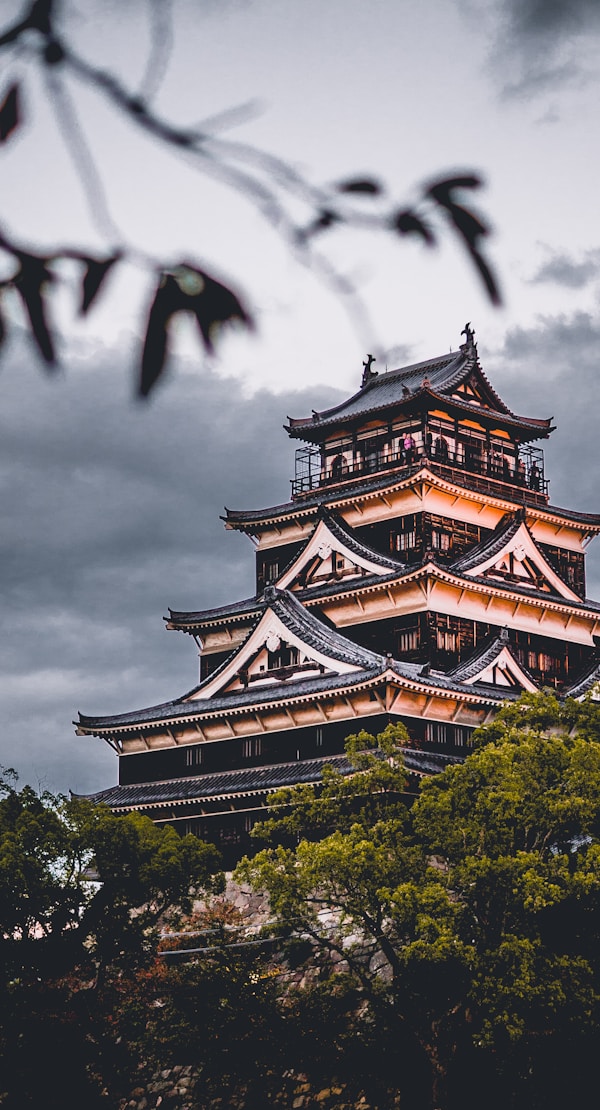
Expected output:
(585, 683)
(512, 553)
(440, 376)
(286, 620)
(327, 657)
(333, 534)
(494, 663)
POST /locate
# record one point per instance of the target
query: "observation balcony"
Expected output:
(521, 475)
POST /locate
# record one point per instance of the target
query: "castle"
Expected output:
(419, 573)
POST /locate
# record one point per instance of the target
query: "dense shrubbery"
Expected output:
(447, 951)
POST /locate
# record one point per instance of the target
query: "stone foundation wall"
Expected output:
(181, 1087)
(178, 1088)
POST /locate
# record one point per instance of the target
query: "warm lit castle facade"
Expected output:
(419, 573)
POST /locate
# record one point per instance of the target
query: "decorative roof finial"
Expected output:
(469, 335)
(367, 372)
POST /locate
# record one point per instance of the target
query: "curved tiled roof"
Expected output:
(383, 390)
(248, 607)
(492, 545)
(251, 780)
(308, 505)
(484, 657)
(586, 681)
(438, 376)
(248, 780)
(183, 708)
(346, 535)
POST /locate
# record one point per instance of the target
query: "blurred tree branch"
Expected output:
(273, 186)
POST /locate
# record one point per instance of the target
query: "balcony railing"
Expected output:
(527, 475)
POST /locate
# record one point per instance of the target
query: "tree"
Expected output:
(82, 894)
(301, 212)
(469, 924)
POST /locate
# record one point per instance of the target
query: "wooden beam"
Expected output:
(353, 711)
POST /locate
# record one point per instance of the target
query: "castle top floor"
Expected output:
(444, 411)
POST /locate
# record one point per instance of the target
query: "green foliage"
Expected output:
(78, 885)
(81, 896)
(375, 789)
(448, 951)
(472, 921)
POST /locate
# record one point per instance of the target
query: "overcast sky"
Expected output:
(110, 509)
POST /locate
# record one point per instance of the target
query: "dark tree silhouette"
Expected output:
(272, 185)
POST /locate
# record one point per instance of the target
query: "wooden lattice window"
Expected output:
(252, 748)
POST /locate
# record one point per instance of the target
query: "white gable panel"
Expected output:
(270, 630)
(321, 549)
(516, 558)
(504, 670)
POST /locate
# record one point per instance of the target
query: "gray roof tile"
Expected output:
(250, 780)
(586, 681)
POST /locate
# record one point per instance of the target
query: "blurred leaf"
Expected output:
(406, 222)
(486, 275)
(186, 289)
(364, 185)
(30, 282)
(215, 305)
(442, 190)
(324, 219)
(93, 280)
(40, 16)
(469, 226)
(10, 116)
(168, 300)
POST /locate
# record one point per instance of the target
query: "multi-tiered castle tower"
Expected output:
(418, 573)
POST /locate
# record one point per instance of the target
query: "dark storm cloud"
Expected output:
(552, 18)
(553, 369)
(110, 515)
(572, 273)
(539, 44)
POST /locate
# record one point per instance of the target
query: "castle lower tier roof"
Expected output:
(188, 709)
(438, 376)
(254, 780)
(390, 670)
(307, 506)
(253, 606)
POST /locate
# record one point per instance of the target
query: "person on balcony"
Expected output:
(337, 466)
(409, 449)
(534, 477)
(441, 449)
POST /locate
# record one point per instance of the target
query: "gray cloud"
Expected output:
(110, 515)
(562, 269)
(539, 45)
(111, 511)
(553, 369)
